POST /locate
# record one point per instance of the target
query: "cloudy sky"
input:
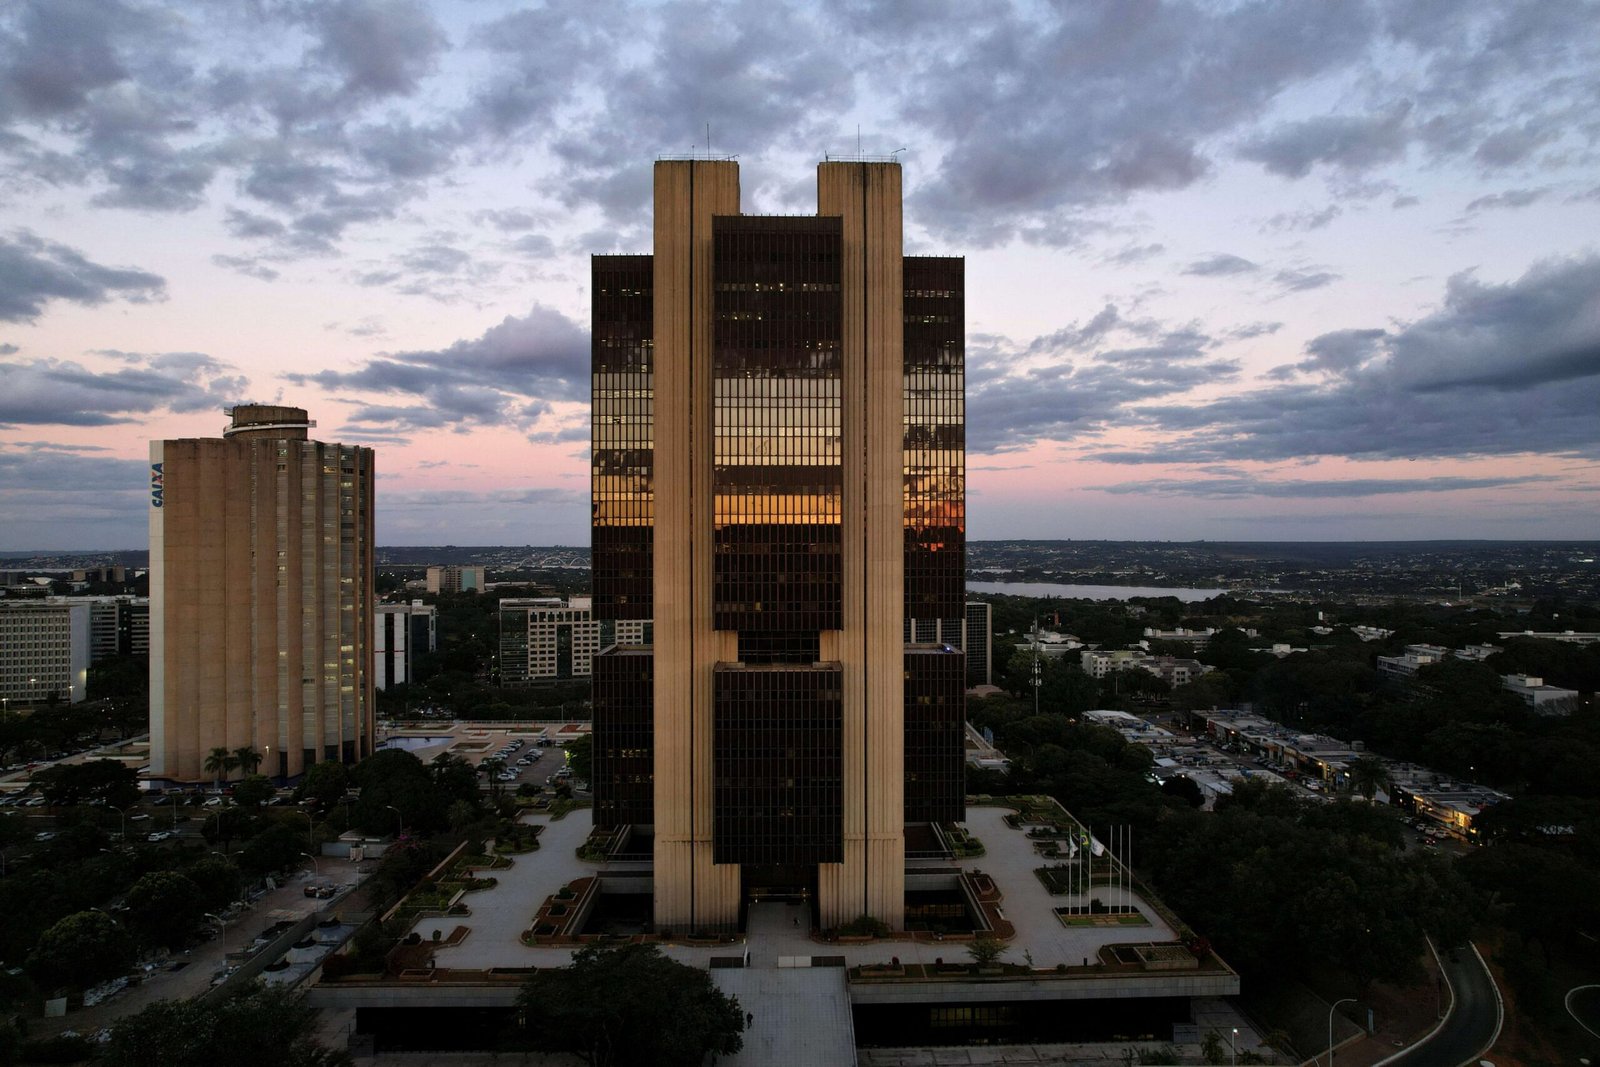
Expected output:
(1236, 270)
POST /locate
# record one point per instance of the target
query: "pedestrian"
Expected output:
(749, 1018)
(797, 920)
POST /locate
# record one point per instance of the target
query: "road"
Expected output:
(203, 962)
(1583, 1004)
(1474, 1020)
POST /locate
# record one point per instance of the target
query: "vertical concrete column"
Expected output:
(871, 880)
(690, 891)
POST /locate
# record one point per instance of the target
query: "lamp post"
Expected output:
(316, 872)
(401, 819)
(1346, 1000)
(1233, 1047)
(310, 825)
(123, 812)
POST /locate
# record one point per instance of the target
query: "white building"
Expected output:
(44, 650)
(454, 579)
(1413, 660)
(1570, 637)
(1547, 699)
(545, 639)
(400, 631)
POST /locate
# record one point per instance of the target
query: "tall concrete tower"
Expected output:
(779, 482)
(261, 596)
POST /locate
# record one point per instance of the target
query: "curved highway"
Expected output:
(1473, 1024)
(1583, 1004)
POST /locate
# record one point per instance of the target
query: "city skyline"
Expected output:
(1233, 272)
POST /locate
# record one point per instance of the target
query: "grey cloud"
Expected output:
(1499, 369)
(47, 468)
(535, 245)
(1513, 144)
(1340, 352)
(1511, 198)
(1296, 280)
(9, 349)
(1304, 220)
(1099, 101)
(380, 48)
(1352, 142)
(404, 150)
(246, 265)
(63, 51)
(487, 380)
(1221, 264)
(245, 224)
(1088, 384)
(33, 272)
(62, 393)
(509, 220)
(1405, 201)
(1134, 254)
(1254, 329)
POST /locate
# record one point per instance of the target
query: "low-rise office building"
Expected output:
(454, 579)
(1545, 699)
(400, 632)
(546, 639)
(44, 651)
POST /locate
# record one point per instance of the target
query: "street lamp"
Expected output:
(1233, 1047)
(316, 872)
(1346, 1000)
(310, 824)
(400, 818)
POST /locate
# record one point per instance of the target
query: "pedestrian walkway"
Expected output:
(798, 1017)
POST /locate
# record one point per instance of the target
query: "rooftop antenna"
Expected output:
(858, 138)
(708, 140)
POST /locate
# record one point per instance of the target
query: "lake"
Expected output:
(1090, 592)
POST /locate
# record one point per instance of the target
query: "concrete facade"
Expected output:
(45, 650)
(261, 597)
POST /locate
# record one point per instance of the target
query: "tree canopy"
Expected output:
(632, 1005)
(259, 1027)
(83, 949)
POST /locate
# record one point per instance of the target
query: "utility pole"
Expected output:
(1038, 677)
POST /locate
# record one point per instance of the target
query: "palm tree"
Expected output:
(1368, 774)
(492, 767)
(247, 759)
(220, 763)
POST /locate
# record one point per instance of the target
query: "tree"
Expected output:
(1368, 774)
(493, 767)
(275, 848)
(580, 757)
(220, 763)
(259, 1027)
(164, 908)
(100, 781)
(456, 778)
(247, 759)
(217, 879)
(254, 791)
(632, 1005)
(81, 950)
(1185, 789)
(985, 949)
(324, 784)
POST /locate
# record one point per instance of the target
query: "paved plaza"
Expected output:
(500, 915)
